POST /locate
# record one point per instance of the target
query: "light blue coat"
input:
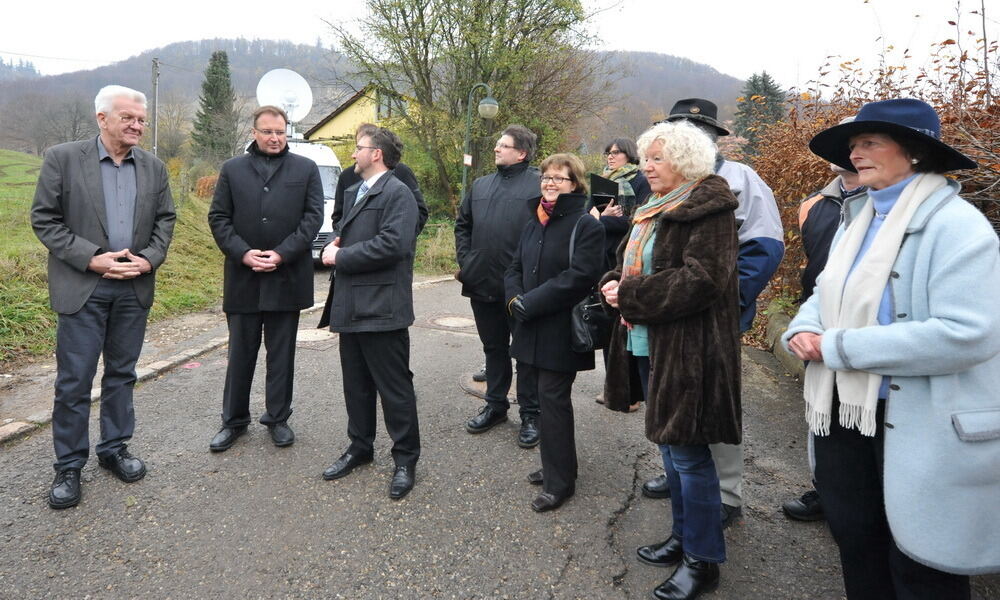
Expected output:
(942, 420)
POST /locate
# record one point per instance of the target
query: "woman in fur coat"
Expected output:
(676, 288)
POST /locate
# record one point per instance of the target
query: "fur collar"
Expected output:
(711, 196)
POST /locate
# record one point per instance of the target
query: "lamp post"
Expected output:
(488, 108)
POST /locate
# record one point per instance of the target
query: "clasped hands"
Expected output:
(807, 345)
(119, 265)
(262, 261)
(330, 252)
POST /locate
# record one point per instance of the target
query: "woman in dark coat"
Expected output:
(676, 288)
(542, 285)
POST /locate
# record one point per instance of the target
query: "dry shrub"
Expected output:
(960, 84)
(206, 186)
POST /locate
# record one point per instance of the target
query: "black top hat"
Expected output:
(902, 118)
(697, 109)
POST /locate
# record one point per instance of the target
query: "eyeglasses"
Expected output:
(612, 153)
(555, 179)
(129, 120)
(502, 146)
(269, 132)
(360, 148)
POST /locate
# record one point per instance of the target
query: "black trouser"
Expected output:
(849, 481)
(279, 329)
(379, 362)
(558, 439)
(111, 322)
(494, 327)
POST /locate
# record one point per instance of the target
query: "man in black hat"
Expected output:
(761, 248)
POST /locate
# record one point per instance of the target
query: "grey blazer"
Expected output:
(69, 218)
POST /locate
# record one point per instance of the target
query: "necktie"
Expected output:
(362, 191)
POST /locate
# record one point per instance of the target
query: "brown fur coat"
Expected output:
(691, 305)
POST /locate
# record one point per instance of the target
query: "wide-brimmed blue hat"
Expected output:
(902, 118)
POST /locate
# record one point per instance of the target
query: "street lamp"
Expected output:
(488, 108)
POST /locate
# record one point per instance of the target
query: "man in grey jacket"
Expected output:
(103, 209)
(487, 231)
(372, 309)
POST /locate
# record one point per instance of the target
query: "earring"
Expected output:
(913, 161)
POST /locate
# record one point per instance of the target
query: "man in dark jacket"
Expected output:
(488, 227)
(104, 212)
(267, 208)
(372, 309)
(819, 217)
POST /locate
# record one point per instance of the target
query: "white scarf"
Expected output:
(852, 302)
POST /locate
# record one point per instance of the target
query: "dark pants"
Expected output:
(111, 322)
(279, 330)
(849, 480)
(558, 439)
(494, 327)
(379, 362)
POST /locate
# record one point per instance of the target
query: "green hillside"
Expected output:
(191, 279)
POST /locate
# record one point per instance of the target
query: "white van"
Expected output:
(329, 173)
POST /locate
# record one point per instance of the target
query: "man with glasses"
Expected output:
(372, 310)
(267, 208)
(487, 230)
(103, 209)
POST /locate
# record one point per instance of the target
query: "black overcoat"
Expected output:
(691, 304)
(280, 212)
(374, 270)
(541, 272)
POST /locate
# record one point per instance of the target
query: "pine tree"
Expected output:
(215, 126)
(761, 103)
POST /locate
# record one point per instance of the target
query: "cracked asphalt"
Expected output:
(260, 522)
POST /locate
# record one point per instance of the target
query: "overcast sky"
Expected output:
(788, 38)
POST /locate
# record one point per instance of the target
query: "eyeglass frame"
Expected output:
(556, 179)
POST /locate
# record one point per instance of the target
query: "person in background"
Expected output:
(489, 224)
(104, 212)
(556, 264)
(819, 217)
(902, 336)
(761, 248)
(676, 288)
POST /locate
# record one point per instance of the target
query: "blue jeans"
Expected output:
(694, 493)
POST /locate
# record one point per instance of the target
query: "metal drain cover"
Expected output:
(453, 322)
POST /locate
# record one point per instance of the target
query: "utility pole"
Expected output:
(156, 100)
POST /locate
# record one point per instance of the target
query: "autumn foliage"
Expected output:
(961, 84)
(206, 186)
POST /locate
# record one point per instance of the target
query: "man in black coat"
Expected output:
(372, 309)
(267, 208)
(488, 227)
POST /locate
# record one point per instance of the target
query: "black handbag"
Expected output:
(590, 324)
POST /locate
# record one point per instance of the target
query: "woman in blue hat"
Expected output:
(903, 342)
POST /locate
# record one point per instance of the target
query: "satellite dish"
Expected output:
(287, 89)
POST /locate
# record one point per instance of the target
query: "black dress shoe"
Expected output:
(225, 438)
(528, 436)
(730, 515)
(664, 554)
(657, 487)
(480, 376)
(806, 508)
(487, 419)
(281, 434)
(402, 482)
(546, 501)
(65, 491)
(345, 464)
(690, 580)
(536, 478)
(126, 467)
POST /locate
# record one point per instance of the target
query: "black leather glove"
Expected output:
(516, 308)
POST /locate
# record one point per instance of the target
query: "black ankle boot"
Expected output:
(690, 580)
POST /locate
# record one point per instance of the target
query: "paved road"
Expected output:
(260, 522)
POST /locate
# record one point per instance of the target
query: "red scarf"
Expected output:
(544, 211)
